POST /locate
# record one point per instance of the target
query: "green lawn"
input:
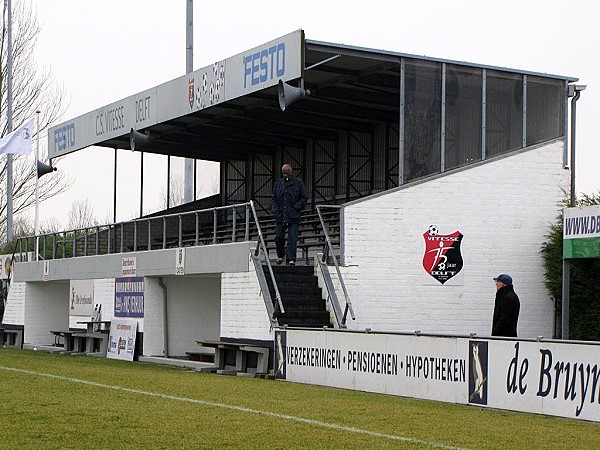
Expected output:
(54, 401)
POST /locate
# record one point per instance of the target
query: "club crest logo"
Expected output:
(442, 259)
(191, 92)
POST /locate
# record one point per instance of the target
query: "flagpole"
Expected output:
(9, 120)
(37, 188)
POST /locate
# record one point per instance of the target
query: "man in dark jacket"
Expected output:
(289, 197)
(506, 308)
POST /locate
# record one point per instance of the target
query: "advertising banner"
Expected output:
(581, 232)
(121, 339)
(250, 71)
(180, 261)
(421, 367)
(81, 298)
(129, 297)
(7, 261)
(560, 379)
(129, 266)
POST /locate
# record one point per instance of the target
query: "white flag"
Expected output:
(19, 141)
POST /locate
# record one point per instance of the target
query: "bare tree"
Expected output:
(209, 182)
(34, 89)
(175, 193)
(51, 225)
(81, 215)
(209, 186)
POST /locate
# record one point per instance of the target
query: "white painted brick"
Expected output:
(504, 209)
(243, 311)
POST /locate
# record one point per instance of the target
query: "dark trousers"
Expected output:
(292, 240)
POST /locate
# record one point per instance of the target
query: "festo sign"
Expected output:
(249, 71)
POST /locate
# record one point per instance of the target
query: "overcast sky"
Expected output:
(103, 51)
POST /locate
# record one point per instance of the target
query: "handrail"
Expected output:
(64, 243)
(332, 295)
(261, 245)
(328, 249)
(112, 234)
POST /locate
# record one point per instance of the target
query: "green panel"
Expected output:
(581, 248)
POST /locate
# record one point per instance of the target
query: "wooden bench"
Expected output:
(241, 352)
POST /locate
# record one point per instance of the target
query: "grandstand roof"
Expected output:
(230, 108)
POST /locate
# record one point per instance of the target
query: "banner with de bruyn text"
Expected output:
(554, 378)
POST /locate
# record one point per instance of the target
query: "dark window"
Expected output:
(463, 116)
(545, 109)
(422, 113)
(504, 113)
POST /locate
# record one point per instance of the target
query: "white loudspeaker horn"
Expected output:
(43, 169)
(287, 94)
(138, 140)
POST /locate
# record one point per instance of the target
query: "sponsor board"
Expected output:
(129, 266)
(129, 297)
(81, 298)
(121, 339)
(7, 261)
(250, 71)
(553, 378)
(180, 261)
(581, 232)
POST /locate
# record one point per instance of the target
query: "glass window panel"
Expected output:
(422, 117)
(545, 109)
(504, 112)
(463, 115)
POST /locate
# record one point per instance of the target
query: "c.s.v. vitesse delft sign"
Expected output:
(442, 259)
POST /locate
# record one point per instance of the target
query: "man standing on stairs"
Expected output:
(289, 197)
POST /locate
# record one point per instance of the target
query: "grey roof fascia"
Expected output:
(387, 55)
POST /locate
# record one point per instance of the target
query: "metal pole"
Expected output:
(566, 280)
(37, 189)
(566, 285)
(573, 117)
(189, 172)
(168, 181)
(115, 190)
(9, 125)
(141, 184)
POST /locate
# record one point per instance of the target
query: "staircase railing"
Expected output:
(262, 246)
(201, 227)
(322, 258)
(159, 232)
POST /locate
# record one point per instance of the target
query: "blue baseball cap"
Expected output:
(504, 278)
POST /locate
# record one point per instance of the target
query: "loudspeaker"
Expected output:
(138, 140)
(43, 169)
(287, 94)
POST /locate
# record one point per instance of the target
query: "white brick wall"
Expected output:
(154, 331)
(503, 208)
(193, 310)
(46, 308)
(243, 311)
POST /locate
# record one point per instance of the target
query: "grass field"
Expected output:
(53, 401)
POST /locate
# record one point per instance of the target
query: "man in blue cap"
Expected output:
(506, 307)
